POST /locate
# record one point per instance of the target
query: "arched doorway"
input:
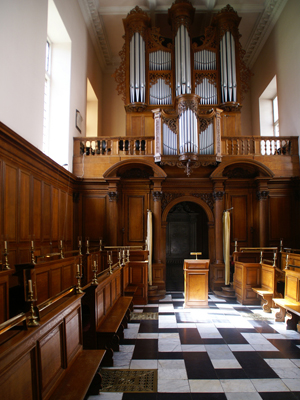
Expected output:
(187, 231)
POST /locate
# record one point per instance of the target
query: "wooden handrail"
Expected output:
(10, 323)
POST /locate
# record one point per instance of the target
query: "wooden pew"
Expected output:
(289, 306)
(48, 361)
(247, 272)
(268, 286)
(105, 313)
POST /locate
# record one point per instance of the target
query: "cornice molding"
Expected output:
(92, 12)
(262, 30)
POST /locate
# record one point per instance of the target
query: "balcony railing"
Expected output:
(259, 145)
(144, 146)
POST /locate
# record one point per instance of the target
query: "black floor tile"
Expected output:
(139, 396)
(232, 336)
(145, 349)
(262, 326)
(168, 330)
(199, 366)
(189, 336)
(231, 373)
(254, 366)
(174, 396)
(150, 309)
(148, 326)
(287, 347)
(278, 396)
(212, 341)
(172, 355)
(209, 396)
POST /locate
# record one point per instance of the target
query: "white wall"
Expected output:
(23, 34)
(281, 57)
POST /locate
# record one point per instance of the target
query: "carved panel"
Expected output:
(56, 218)
(10, 202)
(24, 222)
(135, 219)
(280, 227)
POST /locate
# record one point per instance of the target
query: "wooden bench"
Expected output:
(82, 377)
(268, 286)
(289, 306)
(48, 361)
(111, 330)
(130, 290)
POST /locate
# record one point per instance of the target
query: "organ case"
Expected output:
(185, 81)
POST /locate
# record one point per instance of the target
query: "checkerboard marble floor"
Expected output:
(224, 351)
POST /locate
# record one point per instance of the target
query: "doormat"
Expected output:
(144, 316)
(129, 380)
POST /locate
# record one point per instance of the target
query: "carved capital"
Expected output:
(113, 196)
(157, 195)
(218, 195)
(262, 195)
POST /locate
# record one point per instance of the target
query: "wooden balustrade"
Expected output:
(142, 146)
(259, 145)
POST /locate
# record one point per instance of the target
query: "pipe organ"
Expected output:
(184, 82)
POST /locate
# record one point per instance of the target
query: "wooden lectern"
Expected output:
(196, 283)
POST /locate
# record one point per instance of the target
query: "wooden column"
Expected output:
(218, 211)
(113, 220)
(157, 196)
(262, 197)
(217, 273)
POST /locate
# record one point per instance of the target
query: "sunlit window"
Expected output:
(275, 117)
(47, 98)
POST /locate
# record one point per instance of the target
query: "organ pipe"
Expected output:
(137, 69)
(228, 68)
(183, 61)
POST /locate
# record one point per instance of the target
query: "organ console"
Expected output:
(186, 82)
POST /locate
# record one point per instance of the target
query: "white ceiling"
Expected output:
(104, 21)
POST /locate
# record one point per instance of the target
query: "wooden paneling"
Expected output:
(46, 212)
(4, 300)
(24, 207)
(10, 202)
(135, 219)
(24, 388)
(240, 214)
(56, 217)
(280, 227)
(51, 358)
(138, 275)
(73, 334)
(94, 219)
(231, 124)
(246, 276)
(37, 209)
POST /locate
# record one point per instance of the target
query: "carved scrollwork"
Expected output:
(137, 21)
(218, 196)
(170, 119)
(186, 102)
(262, 195)
(188, 166)
(113, 196)
(204, 123)
(211, 76)
(168, 197)
(135, 107)
(157, 195)
(120, 75)
(206, 197)
(154, 76)
(154, 38)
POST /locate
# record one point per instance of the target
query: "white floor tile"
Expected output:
(173, 386)
(292, 384)
(143, 364)
(269, 385)
(237, 385)
(205, 386)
